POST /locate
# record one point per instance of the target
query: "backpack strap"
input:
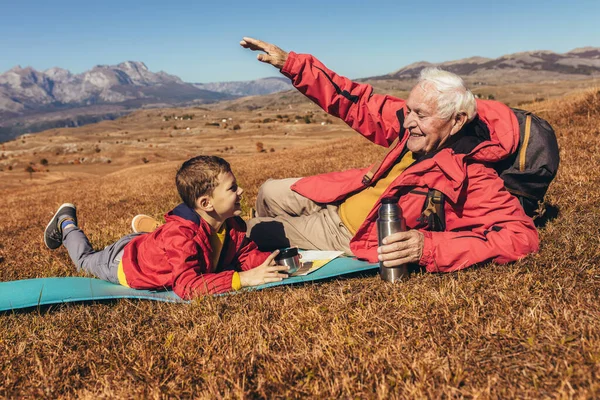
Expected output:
(433, 214)
(526, 135)
(368, 177)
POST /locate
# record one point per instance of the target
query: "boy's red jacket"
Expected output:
(177, 256)
(484, 222)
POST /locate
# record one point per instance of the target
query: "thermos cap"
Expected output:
(286, 253)
(390, 200)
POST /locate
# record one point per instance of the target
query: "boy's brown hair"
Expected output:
(198, 176)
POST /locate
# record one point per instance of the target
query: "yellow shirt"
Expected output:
(217, 239)
(355, 209)
(121, 275)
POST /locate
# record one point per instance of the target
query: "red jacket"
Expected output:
(483, 221)
(177, 255)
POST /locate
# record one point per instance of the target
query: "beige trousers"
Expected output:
(284, 218)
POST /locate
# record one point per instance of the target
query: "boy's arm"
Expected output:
(190, 275)
(192, 279)
(249, 256)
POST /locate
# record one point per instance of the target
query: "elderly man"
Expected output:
(440, 139)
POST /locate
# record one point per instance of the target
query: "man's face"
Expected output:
(227, 196)
(428, 132)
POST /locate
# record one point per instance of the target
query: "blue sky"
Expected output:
(198, 40)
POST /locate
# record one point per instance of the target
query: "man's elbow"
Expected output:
(524, 244)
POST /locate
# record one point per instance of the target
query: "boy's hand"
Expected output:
(264, 273)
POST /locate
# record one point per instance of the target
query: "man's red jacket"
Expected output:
(177, 256)
(484, 222)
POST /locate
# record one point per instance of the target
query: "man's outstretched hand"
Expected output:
(274, 55)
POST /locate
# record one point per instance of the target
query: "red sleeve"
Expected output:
(190, 273)
(492, 227)
(372, 115)
(249, 255)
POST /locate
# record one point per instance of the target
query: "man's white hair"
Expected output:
(449, 91)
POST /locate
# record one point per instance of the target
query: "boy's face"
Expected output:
(226, 197)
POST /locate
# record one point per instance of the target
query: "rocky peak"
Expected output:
(58, 74)
(18, 77)
(133, 66)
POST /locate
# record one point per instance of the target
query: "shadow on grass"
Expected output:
(44, 309)
(269, 235)
(550, 212)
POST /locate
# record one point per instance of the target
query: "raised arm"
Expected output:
(372, 115)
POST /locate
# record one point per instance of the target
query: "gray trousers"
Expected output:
(285, 218)
(103, 264)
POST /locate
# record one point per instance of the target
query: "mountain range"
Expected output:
(531, 66)
(25, 90)
(256, 87)
(31, 100)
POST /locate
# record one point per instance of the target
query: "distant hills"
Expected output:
(531, 66)
(256, 87)
(32, 101)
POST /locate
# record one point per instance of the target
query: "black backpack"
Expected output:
(527, 173)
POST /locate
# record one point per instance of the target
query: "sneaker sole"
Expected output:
(134, 221)
(52, 221)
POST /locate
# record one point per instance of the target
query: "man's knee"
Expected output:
(274, 188)
(267, 189)
(272, 195)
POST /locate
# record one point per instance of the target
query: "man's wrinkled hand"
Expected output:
(273, 54)
(401, 248)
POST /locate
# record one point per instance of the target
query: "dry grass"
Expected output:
(526, 330)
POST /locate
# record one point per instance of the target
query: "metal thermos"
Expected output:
(290, 258)
(390, 221)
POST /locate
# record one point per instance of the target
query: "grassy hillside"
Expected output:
(526, 330)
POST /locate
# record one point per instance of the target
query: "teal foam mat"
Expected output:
(45, 291)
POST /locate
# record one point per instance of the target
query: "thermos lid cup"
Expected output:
(286, 253)
(390, 200)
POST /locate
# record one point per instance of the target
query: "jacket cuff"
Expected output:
(427, 256)
(236, 283)
(289, 64)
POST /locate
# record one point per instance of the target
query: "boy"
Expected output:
(201, 249)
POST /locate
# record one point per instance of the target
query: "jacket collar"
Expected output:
(189, 216)
(182, 211)
(187, 213)
(504, 132)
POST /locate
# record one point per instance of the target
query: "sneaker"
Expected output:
(53, 233)
(144, 223)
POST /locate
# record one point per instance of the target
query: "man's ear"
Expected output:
(459, 120)
(204, 203)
